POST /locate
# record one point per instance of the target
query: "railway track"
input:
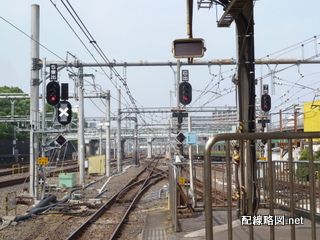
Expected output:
(113, 214)
(219, 197)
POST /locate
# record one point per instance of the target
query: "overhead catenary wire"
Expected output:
(210, 85)
(45, 47)
(91, 54)
(92, 41)
(292, 47)
(40, 44)
(98, 49)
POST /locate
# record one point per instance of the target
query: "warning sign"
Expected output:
(43, 160)
(182, 180)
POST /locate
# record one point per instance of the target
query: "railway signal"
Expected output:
(64, 91)
(53, 93)
(61, 140)
(180, 137)
(265, 102)
(185, 93)
(64, 112)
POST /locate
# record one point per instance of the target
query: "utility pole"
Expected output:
(119, 160)
(178, 82)
(81, 143)
(136, 144)
(34, 101)
(179, 124)
(108, 145)
(191, 167)
(43, 127)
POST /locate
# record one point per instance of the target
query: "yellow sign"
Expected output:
(311, 116)
(263, 158)
(43, 160)
(182, 180)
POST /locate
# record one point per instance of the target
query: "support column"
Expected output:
(34, 101)
(149, 143)
(246, 100)
(191, 168)
(123, 141)
(81, 143)
(119, 159)
(108, 142)
(136, 146)
(179, 145)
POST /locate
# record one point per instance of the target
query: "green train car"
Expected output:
(218, 151)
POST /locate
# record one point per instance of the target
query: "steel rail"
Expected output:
(81, 229)
(139, 194)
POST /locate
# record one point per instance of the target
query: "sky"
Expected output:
(131, 31)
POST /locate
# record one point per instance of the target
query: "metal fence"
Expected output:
(281, 181)
(291, 184)
(179, 174)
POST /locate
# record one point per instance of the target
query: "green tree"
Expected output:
(21, 109)
(302, 171)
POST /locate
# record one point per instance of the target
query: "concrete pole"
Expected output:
(119, 160)
(44, 112)
(136, 144)
(191, 168)
(81, 142)
(295, 120)
(108, 145)
(44, 127)
(178, 83)
(179, 145)
(149, 144)
(34, 101)
(100, 141)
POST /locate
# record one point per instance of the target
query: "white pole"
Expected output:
(119, 133)
(191, 167)
(34, 101)
(108, 145)
(81, 142)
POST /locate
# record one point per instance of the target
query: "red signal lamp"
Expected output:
(185, 93)
(53, 93)
(265, 102)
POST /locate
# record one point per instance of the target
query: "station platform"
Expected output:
(158, 227)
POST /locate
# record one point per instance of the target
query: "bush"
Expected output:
(302, 171)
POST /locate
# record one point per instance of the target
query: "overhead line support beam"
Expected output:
(198, 62)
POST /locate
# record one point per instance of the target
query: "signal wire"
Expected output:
(32, 39)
